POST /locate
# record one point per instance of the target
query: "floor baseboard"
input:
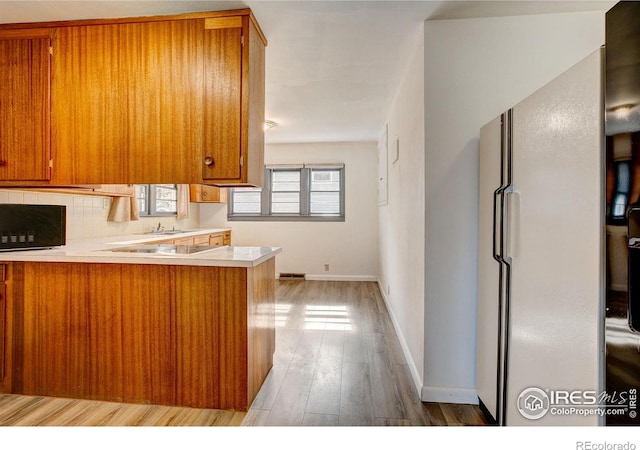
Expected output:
(341, 278)
(415, 375)
(449, 395)
(427, 393)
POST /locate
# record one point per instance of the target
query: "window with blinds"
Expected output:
(293, 193)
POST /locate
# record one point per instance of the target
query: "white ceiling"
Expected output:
(333, 67)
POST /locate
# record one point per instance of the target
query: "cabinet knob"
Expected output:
(208, 161)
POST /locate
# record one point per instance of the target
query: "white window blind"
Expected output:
(309, 192)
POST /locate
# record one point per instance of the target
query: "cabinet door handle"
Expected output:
(208, 161)
(2, 163)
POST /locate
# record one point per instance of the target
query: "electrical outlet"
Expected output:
(326, 267)
(106, 202)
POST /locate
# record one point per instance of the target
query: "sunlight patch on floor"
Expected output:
(327, 317)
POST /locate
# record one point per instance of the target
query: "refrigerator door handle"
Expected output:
(496, 254)
(500, 197)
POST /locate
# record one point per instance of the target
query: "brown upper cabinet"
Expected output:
(165, 99)
(25, 63)
(200, 193)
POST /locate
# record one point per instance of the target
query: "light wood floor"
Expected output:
(338, 362)
(22, 410)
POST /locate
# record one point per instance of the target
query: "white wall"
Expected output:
(87, 214)
(401, 237)
(474, 70)
(350, 248)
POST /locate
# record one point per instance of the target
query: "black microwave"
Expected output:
(24, 227)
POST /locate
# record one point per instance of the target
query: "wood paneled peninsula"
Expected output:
(192, 330)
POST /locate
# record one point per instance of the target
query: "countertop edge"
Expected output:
(186, 260)
(97, 250)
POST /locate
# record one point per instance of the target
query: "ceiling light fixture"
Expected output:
(622, 111)
(268, 124)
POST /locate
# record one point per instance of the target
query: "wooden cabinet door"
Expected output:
(24, 105)
(54, 346)
(201, 240)
(183, 241)
(216, 239)
(127, 102)
(200, 193)
(222, 146)
(148, 348)
(197, 336)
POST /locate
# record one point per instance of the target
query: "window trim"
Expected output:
(305, 198)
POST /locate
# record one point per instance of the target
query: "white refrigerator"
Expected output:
(540, 282)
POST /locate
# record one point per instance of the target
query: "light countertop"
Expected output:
(133, 239)
(97, 251)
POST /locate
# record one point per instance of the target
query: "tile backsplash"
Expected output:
(87, 214)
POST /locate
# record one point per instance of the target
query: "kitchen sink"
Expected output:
(164, 232)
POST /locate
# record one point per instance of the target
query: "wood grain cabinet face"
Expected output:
(222, 149)
(233, 151)
(183, 241)
(221, 238)
(127, 103)
(201, 240)
(200, 193)
(193, 336)
(216, 239)
(173, 99)
(179, 100)
(24, 105)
